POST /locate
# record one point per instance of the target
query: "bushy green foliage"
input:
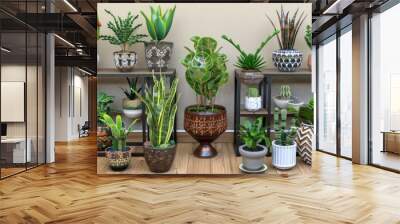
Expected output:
(250, 61)
(253, 92)
(161, 108)
(118, 131)
(308, 36)
(131, 92)
(103, 104)
(124, 31)
(253, 133)
(283, 136)
(306, 113)
(289, 26)
(206, 70)
(159, 23)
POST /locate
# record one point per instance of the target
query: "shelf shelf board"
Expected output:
(273, 72)
(137, 72)
(262, 112)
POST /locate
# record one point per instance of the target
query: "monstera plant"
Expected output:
(205, 73)
(159, 23)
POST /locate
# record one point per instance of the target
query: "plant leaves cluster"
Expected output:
(308, 36)
(118, 130)
(253, 133)
(159, 23)
(131, 92)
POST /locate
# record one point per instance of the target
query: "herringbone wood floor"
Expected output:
(69, 191)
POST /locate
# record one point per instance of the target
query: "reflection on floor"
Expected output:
(387, 159)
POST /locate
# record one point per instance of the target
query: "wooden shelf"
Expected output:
(262, 112)
(301, 73)
(137, 72)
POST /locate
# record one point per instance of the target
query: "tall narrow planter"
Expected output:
(158, 54)
(304, 142)
(125, 61)
(159, 160)
(283, 157)
(205, 127)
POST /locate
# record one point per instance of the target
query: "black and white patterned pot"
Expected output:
(158, 54)
(125, 61)
(287, 60)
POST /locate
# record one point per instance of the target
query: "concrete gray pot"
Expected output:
(158, 54)
(253, 160)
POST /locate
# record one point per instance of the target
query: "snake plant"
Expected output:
(161, 108)
(206, 71)
(130, 93)
(250, 61)
(118, 131)
(159, 23)
(289, 26)
(124, 30)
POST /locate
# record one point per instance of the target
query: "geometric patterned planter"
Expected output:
(304, 142)
(287, 60)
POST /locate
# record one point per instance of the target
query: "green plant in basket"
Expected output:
(206, 71)
(250, 61)
(119, 132)
(253, 133)
(158, 22)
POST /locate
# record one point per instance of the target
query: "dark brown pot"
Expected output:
(159, 160)
(205, 127)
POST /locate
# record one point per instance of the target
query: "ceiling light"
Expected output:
(70, 5)
(64, 40)
(5, 50)
(84, 71)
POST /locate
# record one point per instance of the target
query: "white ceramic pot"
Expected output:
(132, 113)
(253, 160)
(252, 103)
(283, 157)
(281, 102)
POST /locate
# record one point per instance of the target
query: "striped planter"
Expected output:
(283, 157)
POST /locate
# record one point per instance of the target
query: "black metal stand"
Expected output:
(147, 80)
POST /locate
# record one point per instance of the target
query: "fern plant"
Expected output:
(283, 136)
(289, 26)
(159, 23)
(253, 133)
(250, 61)
(124, 30)
(131, 92)
(161, 108)
(103, 105)
(308, 36)
(118, 131)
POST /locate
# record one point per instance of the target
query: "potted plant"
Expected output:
(103, 132)
(305, 132)
(161, 108)
(288, 59)
(206, 72)
(131, 105)
(252, 152)
(284, 146)
(125, 35)
(118, 155)
(285, 96)
(308, 39)
(157, 51)
(252, 102)
(250, 63)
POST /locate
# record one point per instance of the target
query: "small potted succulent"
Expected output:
(305, 133)
(284, 145)
(252, 134)
(125, 35)
(288, 59)
(103, 132)
(131, 105)
(206, 72)
(250, 63)
(161, 108)
(118, 155)
(308, 39)
(285, 96)
(252, 102)
(157, 51)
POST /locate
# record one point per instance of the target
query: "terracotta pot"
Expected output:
(159, 160)
(250, 77)
(125, 61)
(158, 54)
(118, 160)
(205, 127)
(103, 137)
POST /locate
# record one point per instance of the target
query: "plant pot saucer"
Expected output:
(262, 170)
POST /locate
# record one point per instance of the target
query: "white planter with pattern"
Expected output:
(252, 103)
(283, 157)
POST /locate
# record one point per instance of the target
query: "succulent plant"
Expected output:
(285, 92)
(308, 36)
(253, 92)
(289, 26)
(283, 136)
(250, 61)
(131, 92)
(159, 23)
(253, 133)
(124, 31)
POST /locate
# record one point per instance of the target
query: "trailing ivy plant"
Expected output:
(159, 23)
(250, 61)
(131, 92)
(253, 133)
(124, 30)
(206, 71)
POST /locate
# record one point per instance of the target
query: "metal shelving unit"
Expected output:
(265, 87)
(146, 75)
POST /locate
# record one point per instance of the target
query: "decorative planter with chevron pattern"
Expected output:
(283, 157)
(304, 142)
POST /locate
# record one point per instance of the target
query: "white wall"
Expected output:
(246, 23)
